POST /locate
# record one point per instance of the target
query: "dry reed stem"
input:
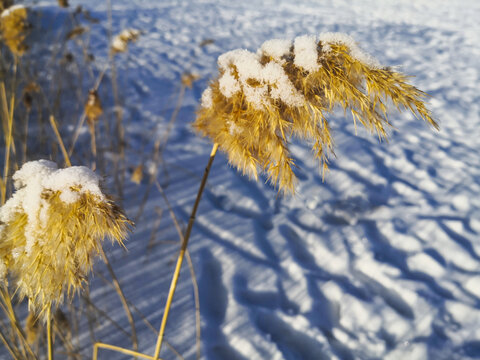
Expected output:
(119, 349)
(181, 255)
(139, 313)
(123, 299)
(25, 136)
(49, 334)
(158, 148)
(4, 108)
(9, 138)
(67, 342)
(60, 141)
(93, 145)
(119, 178)
(176, 274)
(97, 311)
(7, 134)
(84, 116)
(7, 307)
(193, 276)
(89, 314)
(7, 344)
(156, 225)
(155, 331)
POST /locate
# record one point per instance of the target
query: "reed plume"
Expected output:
(51, 229)
(14, 28)
(121, 41)
(93, 107)
(260, 100)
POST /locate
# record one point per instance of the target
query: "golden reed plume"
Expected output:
(14, 28)
(51, 228)
(260, 100)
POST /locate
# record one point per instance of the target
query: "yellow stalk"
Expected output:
(7, 345)
(192, 271)
(176, 275)
(8, 144)
(60, 141)
(181, 255)
(7, 307)
(93, 145)
(49, 333)
(120, 293)
(119, 349)
(8, 139)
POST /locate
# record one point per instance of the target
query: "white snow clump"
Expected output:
(36, 177)
(242, 70)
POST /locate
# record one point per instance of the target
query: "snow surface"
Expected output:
(382, 261)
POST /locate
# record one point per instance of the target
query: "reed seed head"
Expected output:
(75, 32)
(137, 174)
(28, 91)
(260, 100)
(93, 107)
(188, 79)
(63, 3)
(32, 328)
(14, 27)
(121, 41)
(51, 229)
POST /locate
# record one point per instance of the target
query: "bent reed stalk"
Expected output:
(176, 274)
(183, 249)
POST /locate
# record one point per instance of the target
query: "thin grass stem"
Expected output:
(7, 345)
(67, 342)
(93, 145)
(158, 148)
(60, 141)
(121, 295)
(25, 137)
(119, 349)
(84, 116)
(49, 333)
(118, 168)
(196, 294)
(104, 314)
(8, 135)
(7, 307)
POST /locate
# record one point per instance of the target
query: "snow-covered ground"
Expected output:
(381, 261)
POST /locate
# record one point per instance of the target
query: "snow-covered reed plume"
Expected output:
(121, 41)
(51, 228)
(14, 27)
(260, 100)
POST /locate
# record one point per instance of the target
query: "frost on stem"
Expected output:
(260, 100)
(51, 228)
